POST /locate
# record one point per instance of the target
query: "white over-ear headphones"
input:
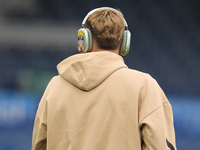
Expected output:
(84, 37)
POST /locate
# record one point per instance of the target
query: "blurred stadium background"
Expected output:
(35, 35)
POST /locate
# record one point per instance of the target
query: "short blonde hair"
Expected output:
(107, 27)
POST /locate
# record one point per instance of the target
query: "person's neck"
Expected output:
(95, 48)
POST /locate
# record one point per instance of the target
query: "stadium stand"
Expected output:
(165, 44)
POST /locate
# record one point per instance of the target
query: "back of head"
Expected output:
(107, 27)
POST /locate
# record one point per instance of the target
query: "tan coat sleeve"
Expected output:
(156, 119)
(39, 138)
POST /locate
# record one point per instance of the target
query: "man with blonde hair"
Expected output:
(98, 103)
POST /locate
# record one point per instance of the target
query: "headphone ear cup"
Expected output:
(126, 42)
(89, 39)
(84, 40)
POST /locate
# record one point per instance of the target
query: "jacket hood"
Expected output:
(86, 71)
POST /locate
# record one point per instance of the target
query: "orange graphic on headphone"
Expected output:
(80, 41)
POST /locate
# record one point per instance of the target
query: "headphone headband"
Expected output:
(92, 11)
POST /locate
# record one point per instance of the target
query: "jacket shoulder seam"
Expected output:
(154, 111)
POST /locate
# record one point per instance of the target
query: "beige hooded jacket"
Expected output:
(97, 103)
